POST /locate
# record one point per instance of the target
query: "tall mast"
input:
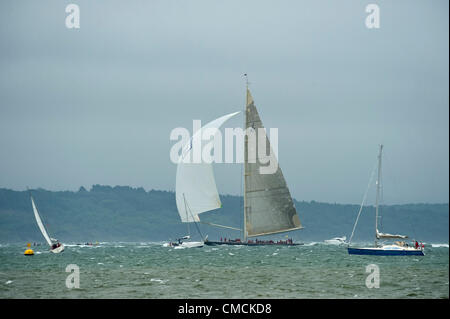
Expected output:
(245, 158)
(378, 193)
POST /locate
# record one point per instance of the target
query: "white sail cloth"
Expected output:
(40, 224)
(196, 190)
(389, 236)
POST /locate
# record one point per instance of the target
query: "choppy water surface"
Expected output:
(149, 270)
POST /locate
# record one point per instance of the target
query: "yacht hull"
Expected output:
(58, 250)
(385, 252)
(186, 244)
(215, 243)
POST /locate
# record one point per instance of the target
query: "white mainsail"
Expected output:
(40, 224)
(196, 190)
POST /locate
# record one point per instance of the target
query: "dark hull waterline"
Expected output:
(215, 243)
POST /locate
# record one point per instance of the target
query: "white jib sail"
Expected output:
(40, 224)
(196, 188)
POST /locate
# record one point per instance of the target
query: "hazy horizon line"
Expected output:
(221, 194)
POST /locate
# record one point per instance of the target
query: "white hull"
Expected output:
(398, 247)
(188, 244)
(57, 250)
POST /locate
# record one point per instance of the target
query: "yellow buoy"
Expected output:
(29, 252)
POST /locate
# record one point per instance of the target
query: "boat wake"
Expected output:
(439, 245)
(314, 243)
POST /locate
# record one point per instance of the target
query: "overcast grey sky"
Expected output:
(96, 105)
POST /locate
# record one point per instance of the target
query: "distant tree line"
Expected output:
(123, 213)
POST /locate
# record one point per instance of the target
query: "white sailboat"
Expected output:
(55, 246)
(398, 248)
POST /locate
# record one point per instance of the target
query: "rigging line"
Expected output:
(223, 226)
(362, 204)
(198, 229)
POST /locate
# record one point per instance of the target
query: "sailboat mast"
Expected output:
(378, 193)
(245, 159)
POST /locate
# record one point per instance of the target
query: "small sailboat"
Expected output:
(398, 248)
(55, 246)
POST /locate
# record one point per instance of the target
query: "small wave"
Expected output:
(312, 244)
(333, 243)
(158, 280)
(8, 282)
(82, 245)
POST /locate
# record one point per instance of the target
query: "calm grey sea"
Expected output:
(149, 270)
